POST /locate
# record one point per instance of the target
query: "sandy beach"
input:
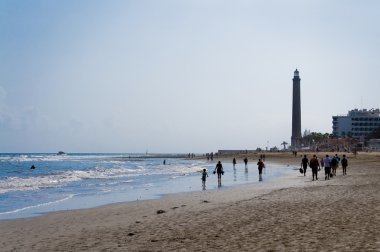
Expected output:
(288, 214)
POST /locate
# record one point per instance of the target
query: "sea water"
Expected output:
(74, 181)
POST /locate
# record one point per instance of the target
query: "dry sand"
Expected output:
(289, 214)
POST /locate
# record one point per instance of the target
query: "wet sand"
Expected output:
(288, 214)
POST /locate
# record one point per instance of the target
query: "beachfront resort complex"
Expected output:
(357, 123)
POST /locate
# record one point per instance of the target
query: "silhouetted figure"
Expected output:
(220, 172)
(234, 162)
(32, 167)
(344, 163)
(164, 162)
(260, 166)
(314, 164)
(246, 162)
(304, 164)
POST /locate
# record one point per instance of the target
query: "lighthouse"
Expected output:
(296, 112)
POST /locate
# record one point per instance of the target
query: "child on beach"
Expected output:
(204, 175)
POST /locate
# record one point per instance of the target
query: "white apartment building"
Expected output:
(357, 123)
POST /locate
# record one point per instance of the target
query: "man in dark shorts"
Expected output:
(344, 163)
(314, 164)
(304, 164)
(327, 164)
(260, 166)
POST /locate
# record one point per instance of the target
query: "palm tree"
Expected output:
(284, 143)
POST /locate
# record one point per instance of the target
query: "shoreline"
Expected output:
(177, 184)
(270, 216)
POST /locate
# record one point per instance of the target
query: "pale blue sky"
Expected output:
(180, 76)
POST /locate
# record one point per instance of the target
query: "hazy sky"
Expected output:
(180, 76)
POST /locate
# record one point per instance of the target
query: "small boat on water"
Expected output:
(61, 153)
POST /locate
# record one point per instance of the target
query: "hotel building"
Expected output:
(357, 123)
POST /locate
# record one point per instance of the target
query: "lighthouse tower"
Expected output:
(296, 115)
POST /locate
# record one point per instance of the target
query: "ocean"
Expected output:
(75, 181)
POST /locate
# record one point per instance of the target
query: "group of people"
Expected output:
(210, 156)
(219, 171)
(329, 164)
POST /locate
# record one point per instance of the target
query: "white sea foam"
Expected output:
(50, 157)
(11, 184)
(112, 183)
(120, 169)
(38, 205)
(50, 181)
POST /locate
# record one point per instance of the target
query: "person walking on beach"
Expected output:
(327, 164)
(204, 175)
(322, 163)
(234, 162)
(334, 165)
(246, 162)
(314, 164)
(219, 171)
(337, 157)
(260, 166)
(344, 163)
(304, 164)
